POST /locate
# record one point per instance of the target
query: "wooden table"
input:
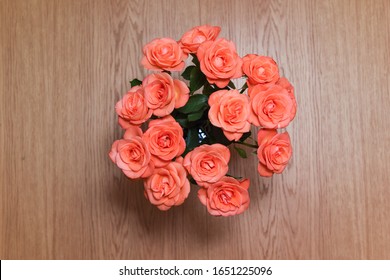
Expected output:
(64, 65)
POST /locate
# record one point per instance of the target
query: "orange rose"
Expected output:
(132, 108)
(219, 61)
(163, 94)
(284, 83)
(163, 54)
(230, 110)
(207, 163)
(226, 197)
(260, 69)
(132, 155)
(273, 153)
(164, 139)
(168, 186)
(273, 108)
(258, 89)
(192, 39)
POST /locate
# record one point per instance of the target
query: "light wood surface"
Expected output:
(64, 64)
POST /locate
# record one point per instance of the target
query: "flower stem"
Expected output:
(250, 137)
(246, 144)
(243, 88)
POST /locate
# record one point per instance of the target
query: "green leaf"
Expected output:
(217, 136)
(187, 72)
(135, 82)
(195, 103)
(182, 122)
(231, 85)
(197, 79)
(208, 89)
(195, 60)
(241, 152)
(192, 139)
(195, 116)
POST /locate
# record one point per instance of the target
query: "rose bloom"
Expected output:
(230, 110)
(260, 69)
(164, 139)
(273, 108)
(219, 61)
(253, 90)
(132, 108)
(273, 153)
(226, 197)
(284, 83)
(163, 94)
(132, 155)
(192, 39)
(168, 186)
(207, 163)
(163, 54)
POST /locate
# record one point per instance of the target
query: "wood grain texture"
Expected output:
(64, 64)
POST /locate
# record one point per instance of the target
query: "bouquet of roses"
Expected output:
(190, 122)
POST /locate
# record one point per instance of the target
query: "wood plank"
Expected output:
(66, 63)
